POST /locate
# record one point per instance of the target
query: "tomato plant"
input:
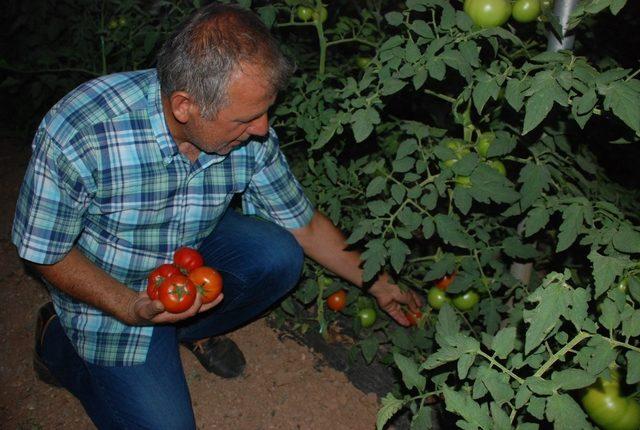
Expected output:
(187, 259)
(337, 301)
(157, 277)
(526, 10)
(394, 155)
(367, 317)
(208, 282)
(488, 13)
(304, 13)
(466, 301)
(177, 293)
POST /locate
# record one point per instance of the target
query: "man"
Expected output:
(131, 166)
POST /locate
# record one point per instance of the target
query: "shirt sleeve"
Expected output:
(50, 206)
(273, 192)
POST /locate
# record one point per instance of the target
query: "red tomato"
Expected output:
(187, 259)
(413, 317)
(177, 294)
(208, 282)
(337, 300)
(158, 276)
(444, 283)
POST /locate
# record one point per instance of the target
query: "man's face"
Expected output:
(245, 115)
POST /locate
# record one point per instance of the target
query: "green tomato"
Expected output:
(546, 4)
(466, 301)
(304, 13)
(526, 10)
(463, 181)
(610, 411)
(113, 24)
(437, 298)
(320, 14)
(498, 166)
(363, 62)
(484, 142)
(488, 13)
(122, 21)
(367, 317)
(623, 286)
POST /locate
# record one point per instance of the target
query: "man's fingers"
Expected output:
(206, 306)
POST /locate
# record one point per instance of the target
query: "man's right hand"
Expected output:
(144, 311)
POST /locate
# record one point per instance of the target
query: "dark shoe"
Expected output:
(219, 355)
(46, 314)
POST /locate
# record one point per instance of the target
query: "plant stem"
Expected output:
(561, 352)
(500, 366)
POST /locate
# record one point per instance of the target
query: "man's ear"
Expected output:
(182, 106)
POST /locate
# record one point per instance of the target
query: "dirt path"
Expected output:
(284, 386)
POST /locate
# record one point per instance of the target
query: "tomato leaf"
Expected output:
(633, 367)
(410, 373)
(627, 239)
(572, 379)
(552, 303)
(390, 406)
(572, 219)
(622, 99)
(497, 383)
(450, 230)
(422, 419)
(537, 218)
(565, 413)
(606, 270)
(369, 347)
(504, 342)
(462, 404)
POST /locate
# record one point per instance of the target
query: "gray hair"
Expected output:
(213, 44)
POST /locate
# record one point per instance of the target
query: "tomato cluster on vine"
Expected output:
(438, 296)
(177, 284)
(494, 13)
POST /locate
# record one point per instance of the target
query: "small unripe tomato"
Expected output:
(367, 317)
(304, 13)
(463, 181)
(437, 298)
(466, 301)
(320, 14)
(526, 10)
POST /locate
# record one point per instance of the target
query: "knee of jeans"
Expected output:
(285, 259)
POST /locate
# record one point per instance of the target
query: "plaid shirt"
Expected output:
(107, 177)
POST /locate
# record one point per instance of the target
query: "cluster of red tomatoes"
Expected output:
(438, 296)
(494, 13)
(176, 285)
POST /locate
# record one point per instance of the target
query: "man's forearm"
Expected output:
(331, 251)
(78, 277)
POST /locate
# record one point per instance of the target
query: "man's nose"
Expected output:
(259, 126)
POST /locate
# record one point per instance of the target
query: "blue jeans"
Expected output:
(260, 263)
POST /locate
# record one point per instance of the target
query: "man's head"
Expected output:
(212, 46)
(219, 74)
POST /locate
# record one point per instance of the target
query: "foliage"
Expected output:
(387, 148)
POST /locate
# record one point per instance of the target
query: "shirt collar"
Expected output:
(168, 145)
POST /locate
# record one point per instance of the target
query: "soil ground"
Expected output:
(286, 385)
